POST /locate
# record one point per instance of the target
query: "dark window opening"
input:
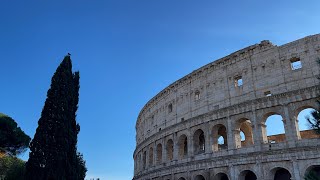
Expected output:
(170, 108)
(238, 81)
(295, 64)
(267, 93)
(197, 95)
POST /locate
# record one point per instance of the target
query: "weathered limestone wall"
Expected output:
(178, 129)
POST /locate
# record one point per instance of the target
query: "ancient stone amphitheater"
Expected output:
(192, 129)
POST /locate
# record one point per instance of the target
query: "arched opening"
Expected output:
(150, 156)
(243, 133)
(159, 153)
(199, 142)
(199, 177)
(169, 149)
(304, 127)
(281, 174)
(219, 133)
(182, 178)
(221, 176)
(313, 172)
(247, 175)
(273, 130)
(183, 146)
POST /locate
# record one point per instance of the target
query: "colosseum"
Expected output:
(212, 123)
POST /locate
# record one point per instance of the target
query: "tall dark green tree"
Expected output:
(53, 151)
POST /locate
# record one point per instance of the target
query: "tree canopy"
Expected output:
(12, 139)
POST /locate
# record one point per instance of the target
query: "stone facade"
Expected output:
(178, 129)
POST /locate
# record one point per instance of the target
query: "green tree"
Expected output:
(81, 166)
(12, 139)
(11, 168)
(16, 171)
(53, 151)
(312, 176)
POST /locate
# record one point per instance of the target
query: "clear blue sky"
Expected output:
(126, 51)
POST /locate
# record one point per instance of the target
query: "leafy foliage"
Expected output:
(12, 138)
(312, 176)
(81, 168)
(53, 151)
(314, 121)
(12, 168)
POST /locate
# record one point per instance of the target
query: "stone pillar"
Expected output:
(154, 154)
(215, 141)
(190, 145)
(296, 171)
(135, 165)
(290, 127)
(207, 139)
(175, 147)
(260, 170)
(140, 161)
(164, 151)
(210, 138)
(230, 140)
(147, 157)
(236, 137)
(257, 129)
(232, 173)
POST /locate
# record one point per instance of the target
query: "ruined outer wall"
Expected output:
(263, 67)
(209, 95)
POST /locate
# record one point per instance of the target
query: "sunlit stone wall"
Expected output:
(211, 124)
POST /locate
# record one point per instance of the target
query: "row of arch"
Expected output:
(277, 173)
(196, 143)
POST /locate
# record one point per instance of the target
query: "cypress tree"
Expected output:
(53, 151)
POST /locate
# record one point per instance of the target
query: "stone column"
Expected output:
(258, 131)
(175, 147)
(154, 154)
(259, 172)
(207, 139)
(147, 157)
(290, 127)
(236, 137)
(210, 143)
(232, 173)
(140, 161)
(296, 171)
(190, 145)
(230, 139)
(164, 151)
(135, 165)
